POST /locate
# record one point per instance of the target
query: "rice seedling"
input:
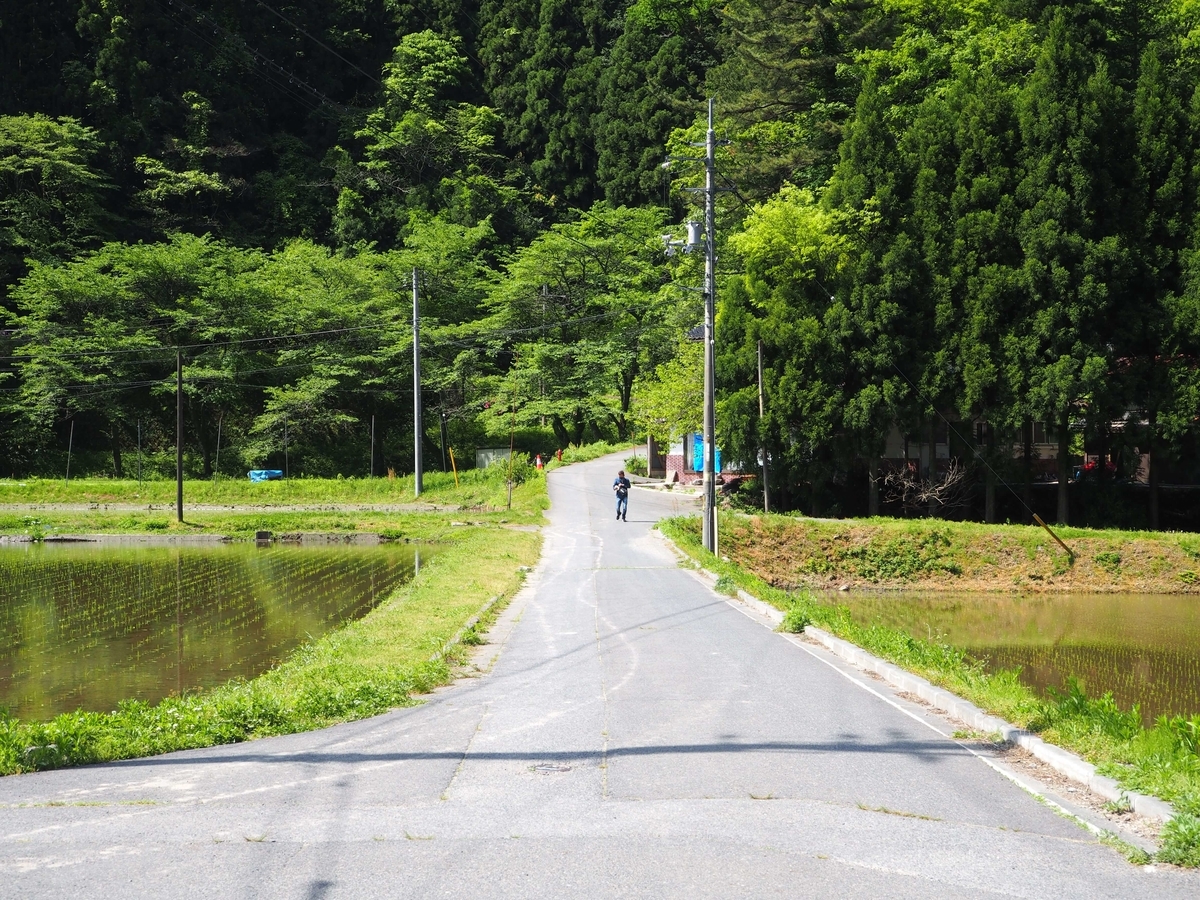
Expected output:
(90, 627)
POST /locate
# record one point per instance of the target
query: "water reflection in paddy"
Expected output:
(1143, 648)
(86, 626)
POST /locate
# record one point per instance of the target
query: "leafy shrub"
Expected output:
(587, 452)
(1109, 561)
(521, 470)
(1073, 710)
(1181, 836)
(636, 465)
(901, 557)
(795, 620)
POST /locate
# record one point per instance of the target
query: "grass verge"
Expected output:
(1163, 760)
(934, 554)
(363, 669)
(308, 505)
(474, 487)
(588, 452)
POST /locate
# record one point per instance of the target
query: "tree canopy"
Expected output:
(979, 216)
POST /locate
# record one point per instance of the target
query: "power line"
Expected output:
(453, 342)
(324, 47)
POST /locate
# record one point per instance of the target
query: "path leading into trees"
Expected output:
(633, 734)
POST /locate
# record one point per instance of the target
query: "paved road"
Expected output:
(633, 734)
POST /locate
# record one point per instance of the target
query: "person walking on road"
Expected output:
(621, 487)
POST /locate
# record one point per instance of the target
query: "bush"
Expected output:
(636, 465)
(522, 469)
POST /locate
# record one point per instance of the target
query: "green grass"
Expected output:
(481, 497)
(1163, 760)
(588, 452)
(475, 487)
(365, 668)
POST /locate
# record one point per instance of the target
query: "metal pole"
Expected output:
(443, 441)
(139, 452)
(710, 290)
(285, 453)
(70, 445)
(762, 411)
(372, 446)
(417, 424)
(179, 435)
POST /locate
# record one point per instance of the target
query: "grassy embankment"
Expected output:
(932, 554)
(360, 670)
(239, 508)
(1163, 760)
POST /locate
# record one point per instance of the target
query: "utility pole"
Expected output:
(710, 297)
(417, 425)
(179, 435)
(693, 242)
(762, 411)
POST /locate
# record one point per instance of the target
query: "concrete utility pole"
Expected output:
(762, 412)
(693, 242)
(710, 305)
(417, 424)
(179, 435)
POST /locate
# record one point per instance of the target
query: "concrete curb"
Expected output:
(1062, 761)
(467, 626)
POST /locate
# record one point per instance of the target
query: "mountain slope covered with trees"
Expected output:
(982, 211)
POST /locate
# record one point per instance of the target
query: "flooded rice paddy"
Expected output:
(87, 626)
(1143, 648)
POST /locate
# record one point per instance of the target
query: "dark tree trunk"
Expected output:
(989, 485)
(872, 486)
(1152, 474)
(1102, 468)
(118, 466)
(626, 391)
(201, 438)
(1027, 489)
(931, 472)
(560, 430)
(205, 450)
(1064, 468)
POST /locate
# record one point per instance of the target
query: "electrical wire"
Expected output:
(433, 345)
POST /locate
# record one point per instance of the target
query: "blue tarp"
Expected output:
(266, 474)
(698, 455)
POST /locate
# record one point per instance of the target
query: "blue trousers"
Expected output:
(622, 505)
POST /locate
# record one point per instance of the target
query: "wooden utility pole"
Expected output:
(179, 435)
(762, 411)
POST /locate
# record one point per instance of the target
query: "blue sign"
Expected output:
(698, 455)
(266, 474)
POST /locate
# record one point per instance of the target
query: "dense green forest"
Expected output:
(975, 211)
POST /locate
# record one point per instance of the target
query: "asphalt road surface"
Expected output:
(629, 734)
